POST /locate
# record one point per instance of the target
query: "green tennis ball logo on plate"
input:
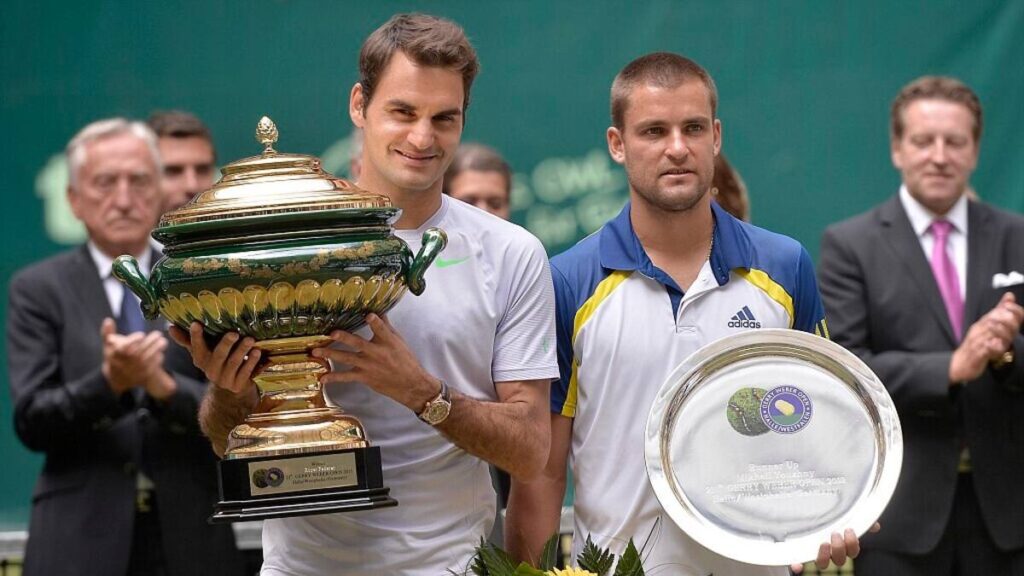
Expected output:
(744, 411)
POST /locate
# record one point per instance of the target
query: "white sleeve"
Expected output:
(524, 345)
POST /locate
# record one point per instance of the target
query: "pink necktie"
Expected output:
(946, 276)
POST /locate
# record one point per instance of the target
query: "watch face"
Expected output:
(436, 412)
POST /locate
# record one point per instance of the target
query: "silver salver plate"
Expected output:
(762, 444)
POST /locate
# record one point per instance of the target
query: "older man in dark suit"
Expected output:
(128, 479)
(908, 286)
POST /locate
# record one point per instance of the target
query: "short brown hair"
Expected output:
(427, 41)
(661, 69)
(477, 158)
(178, 124)
(935, 88)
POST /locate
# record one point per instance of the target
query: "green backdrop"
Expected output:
(804, 87)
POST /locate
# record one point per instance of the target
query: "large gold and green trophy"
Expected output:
(286, 253)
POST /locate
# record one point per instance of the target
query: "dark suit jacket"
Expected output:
(94, 442)
(884, 305)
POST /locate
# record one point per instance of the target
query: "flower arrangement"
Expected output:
(490, 560)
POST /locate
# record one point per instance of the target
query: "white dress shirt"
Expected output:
(921, 218)
(111, 285)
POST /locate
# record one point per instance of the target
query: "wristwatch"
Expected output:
(437, 409)
(1002, 361)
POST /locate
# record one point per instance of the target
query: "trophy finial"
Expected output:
(266, 134)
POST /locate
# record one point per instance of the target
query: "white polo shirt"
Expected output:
(486, 316)
(623, 326)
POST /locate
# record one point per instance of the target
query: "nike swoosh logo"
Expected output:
(442, 263)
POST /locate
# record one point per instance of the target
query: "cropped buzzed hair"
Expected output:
(935, 88)
(424, 39)
(662, 70)
(477, 158)
(101, 129)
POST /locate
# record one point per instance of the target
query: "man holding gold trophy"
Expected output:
(450, 379)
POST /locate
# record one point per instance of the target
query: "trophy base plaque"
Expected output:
(300, 485)
(296, 455)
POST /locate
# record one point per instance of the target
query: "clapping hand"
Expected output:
(136, 359)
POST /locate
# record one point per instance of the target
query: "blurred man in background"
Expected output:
(909, 288)
(128, 480)
(479, 176)
(188, 155)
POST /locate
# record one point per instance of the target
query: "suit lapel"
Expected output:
(981, 261)
(904, 243)
(88, 287)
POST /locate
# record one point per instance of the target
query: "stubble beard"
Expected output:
(667, 201)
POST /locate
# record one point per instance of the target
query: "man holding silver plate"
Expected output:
(670, 274)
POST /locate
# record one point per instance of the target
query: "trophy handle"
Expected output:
(434, 241)
(126, 269)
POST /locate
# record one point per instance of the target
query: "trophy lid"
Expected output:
(274, 188)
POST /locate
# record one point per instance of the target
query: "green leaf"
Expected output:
(492, 561)
(477, 566)
(629, 563)
(549, 555)
(476, 563)
(595, 559)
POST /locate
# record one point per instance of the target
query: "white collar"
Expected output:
(921, 218)
(104, 262)
(434, 220)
